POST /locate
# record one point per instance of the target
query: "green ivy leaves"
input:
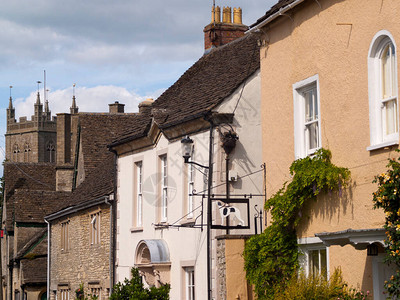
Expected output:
(272, 257)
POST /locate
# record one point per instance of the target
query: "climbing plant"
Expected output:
(387, 197)
(272, 257)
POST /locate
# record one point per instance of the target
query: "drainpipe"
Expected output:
(48, 259)
(209, 210)
(110, 260)
(114, 222)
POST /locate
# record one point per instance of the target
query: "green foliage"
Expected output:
(318, 287)
(133, 290)
(387, 197)
(271, 258)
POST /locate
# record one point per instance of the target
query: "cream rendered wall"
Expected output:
(333, 42)
(188, 245)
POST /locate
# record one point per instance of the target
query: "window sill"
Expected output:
(382, 145)
(161, 225)
(187, 222)
(136, 229)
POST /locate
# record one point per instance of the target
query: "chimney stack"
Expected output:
(217, 34)
(144, 105)
(116, 108)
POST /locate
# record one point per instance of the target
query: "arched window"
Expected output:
(27, 151)
(50, 152)
(383, 91)
(15, 153)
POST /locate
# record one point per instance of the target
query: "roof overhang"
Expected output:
(255, 27)
(358, 238)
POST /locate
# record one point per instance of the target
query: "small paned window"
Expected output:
(383, 91)
(65, 236)
(307, 117)
(164, 188)
(95, 228)
(317, 262)
(63, 294)
(190, 185)
(190, 284)
(139, 194)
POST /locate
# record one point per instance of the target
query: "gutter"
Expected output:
(274, 16)
(77, 208)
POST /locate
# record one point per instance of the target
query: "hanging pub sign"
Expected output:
(230, 213)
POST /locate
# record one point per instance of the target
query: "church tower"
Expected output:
(31, 141)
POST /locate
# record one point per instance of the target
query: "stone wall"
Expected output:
(83, 262)
(221, 269)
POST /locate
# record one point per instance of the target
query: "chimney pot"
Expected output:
(237, 15)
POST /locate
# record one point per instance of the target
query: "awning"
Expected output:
(358, 238)
(153, 251)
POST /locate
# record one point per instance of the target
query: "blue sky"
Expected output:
(113, 50)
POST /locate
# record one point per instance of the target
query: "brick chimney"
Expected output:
(219, 33)
(116, 108)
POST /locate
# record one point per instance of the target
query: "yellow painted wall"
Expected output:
(332, 41)
(236, 283)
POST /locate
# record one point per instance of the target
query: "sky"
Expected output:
(120, 50)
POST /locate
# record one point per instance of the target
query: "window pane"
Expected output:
(391, 116)
(324, 265)
(312, 135)
(314, 262)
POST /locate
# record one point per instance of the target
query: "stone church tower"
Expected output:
(34, 140)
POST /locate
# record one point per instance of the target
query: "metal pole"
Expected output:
(227, 188)
(209, 211)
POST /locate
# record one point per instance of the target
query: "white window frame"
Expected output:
(139, 193)
(190, 286)
(378, 137)
(95, 228)
(306, 245)
(300, 125)
(190, 186)
(164, 188)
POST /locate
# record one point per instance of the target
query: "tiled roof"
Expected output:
(32, 206)
(34, 271)
(37, 245)
(97, 184)
(25, 176)
(208, 82)
(99, 130)
(274, 9)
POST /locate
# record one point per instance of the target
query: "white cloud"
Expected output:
(94, 99)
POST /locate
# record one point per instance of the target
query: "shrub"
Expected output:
(133, 290)
(318, 287)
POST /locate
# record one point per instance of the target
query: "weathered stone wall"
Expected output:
(83, 262)
(221, 269)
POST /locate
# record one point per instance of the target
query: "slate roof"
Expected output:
(208, 82)
(34, 271)
(37, 245)
(274, 9)
(26, 176)
(98, 184)
(32, 206)
(99, 130)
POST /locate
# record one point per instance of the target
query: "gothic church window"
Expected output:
(15, 153)
(27, 151)
(50, 152)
